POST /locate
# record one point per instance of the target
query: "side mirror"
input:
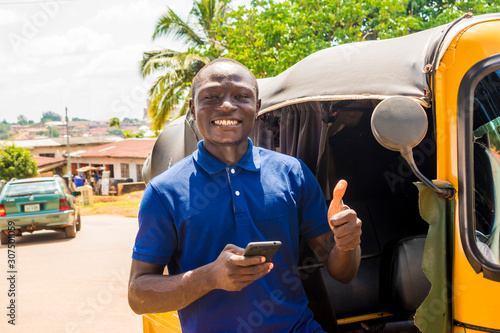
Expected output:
(399, 124)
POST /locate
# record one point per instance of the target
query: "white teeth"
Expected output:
(224, 122)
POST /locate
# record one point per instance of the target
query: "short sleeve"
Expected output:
(157, 238)
(313, 213)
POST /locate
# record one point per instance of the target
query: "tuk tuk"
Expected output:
(388, 116)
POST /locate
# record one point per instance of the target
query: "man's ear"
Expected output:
(191, 109)
(257, 107)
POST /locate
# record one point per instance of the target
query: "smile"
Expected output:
(225, 122)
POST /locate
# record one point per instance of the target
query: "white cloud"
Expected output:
(21, 69)
(80, 40)
(8, 17)
(118, 62)
(130, 12)
(52, 86)
(81, 54)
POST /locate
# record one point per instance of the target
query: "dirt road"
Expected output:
(71, 285)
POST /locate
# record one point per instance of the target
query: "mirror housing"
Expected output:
(400, 123)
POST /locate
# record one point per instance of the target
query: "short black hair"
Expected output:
(196, 80)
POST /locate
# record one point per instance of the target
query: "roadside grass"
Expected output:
(126, 205)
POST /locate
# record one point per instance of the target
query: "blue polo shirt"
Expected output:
(191, 211)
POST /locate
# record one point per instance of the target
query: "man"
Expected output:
(198, 216)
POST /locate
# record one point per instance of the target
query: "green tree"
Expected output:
(438, 12)
(129, 134)
(272, 35)
(17, 162)
(22, 120)
(4, 130)
(115, 131)
(115, 123)
(52, 132)
(178, 68)
(50, 116)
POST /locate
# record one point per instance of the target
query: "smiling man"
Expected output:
(197, 217)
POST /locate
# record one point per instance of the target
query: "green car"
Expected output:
(27, 205)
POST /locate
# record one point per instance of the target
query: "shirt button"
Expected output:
(237, 193)
(232, 171)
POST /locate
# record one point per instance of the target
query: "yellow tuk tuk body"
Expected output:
(476, 299)
(454, 73)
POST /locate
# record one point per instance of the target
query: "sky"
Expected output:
(82, 55)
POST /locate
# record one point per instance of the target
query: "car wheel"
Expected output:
(5, 238)
(70, 230)
(78, 222)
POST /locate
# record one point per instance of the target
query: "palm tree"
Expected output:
(115, 122)
(178, 69)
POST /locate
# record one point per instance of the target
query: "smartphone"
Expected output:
(265, 249)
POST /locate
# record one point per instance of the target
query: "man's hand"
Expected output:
(232, 271)
(346, 228)
(343, 221)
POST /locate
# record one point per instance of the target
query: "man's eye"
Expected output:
(211, 97)
(242, 96)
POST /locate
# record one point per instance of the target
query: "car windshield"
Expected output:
(33, 188)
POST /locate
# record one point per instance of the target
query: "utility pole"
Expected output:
(67, 144)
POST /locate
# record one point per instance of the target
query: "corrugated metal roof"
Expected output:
(61, 141)
(43, 161)
(128, 148)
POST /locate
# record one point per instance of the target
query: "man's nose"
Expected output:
(227, 104)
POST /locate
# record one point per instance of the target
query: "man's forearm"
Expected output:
(343, 265)
(153, 293)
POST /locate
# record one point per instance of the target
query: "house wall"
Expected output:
(57, 151)
(60, 151)
(115, 162)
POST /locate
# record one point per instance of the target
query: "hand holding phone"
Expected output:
(266, 249)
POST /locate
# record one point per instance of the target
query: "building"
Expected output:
(47, 166)
(123, 159)
(56, 147)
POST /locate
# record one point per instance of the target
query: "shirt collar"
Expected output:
(250, 161)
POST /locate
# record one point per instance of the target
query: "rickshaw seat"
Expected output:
(403, 284)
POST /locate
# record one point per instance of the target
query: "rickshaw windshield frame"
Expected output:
(466, 138)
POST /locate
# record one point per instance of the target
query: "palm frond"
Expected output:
(207, 11)
(171, 25)
(166, 95)
(153, 61)
(177, 69)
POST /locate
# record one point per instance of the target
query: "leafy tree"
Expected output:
(4, 130)
(438, 12)
(129, 134)
(50, 116)
(272, 35)
(115, 123)
(177, 69)
(115, 131)
(130, 121)
(52, 132)
(78, 119)
(22, 120)
(17, 162)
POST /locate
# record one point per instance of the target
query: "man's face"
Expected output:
(225, 105)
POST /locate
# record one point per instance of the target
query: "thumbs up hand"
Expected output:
(343, 221)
